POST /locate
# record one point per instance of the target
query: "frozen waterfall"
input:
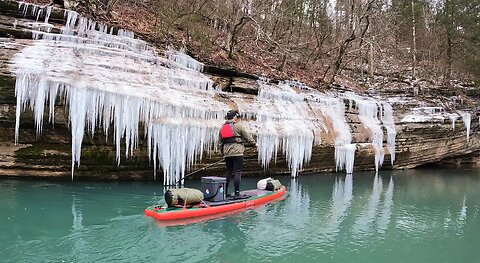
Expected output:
(111, 82)
(116, 82)
(373, 116)
(292, 118)
(285, 126)
(389, 124)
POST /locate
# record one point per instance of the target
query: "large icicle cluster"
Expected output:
(36, 10)
(178, 143)
(111, 81)
(184, 59)
(291, 111)
(375, 115)
(115, 79)
(334, 109)
(285, 123)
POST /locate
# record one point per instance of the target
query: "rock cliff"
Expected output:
(430, 123)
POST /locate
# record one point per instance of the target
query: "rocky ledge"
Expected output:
(429, 120)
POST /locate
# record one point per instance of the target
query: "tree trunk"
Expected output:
(414, 42)
(233, 39)
(370, 61)
(449, 56)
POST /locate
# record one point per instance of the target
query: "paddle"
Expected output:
(210, 165)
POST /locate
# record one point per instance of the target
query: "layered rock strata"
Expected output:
(300, 130)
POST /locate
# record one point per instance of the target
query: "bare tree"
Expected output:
(414, 42)
(359, 22)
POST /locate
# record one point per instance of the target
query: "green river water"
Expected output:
(401, 216)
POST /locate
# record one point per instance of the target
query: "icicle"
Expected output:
(344, 150)
(389, 124)
(38, 104)
(20, 90)
(467, 119)
(345, 157)
(285, 125)
(180, 144)
(125, 33)
(25, 7)
(77, 98)
(269, 142)
(47, 15)
(297, 147)
(453, 118)
(184, 60)
(70, 23)
(39, 13)
(52, 97)
(368, 112)
(102, 83)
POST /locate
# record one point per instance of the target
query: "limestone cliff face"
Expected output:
(424, 132)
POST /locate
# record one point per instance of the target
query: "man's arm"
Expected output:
(246, 135)
(220, 142)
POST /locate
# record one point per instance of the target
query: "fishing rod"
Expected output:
(210, 165)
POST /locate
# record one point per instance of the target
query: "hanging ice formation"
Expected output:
(344, 148)
(115, 79)
(109, 80)
(467, 119)
(453, 118)
(292, 117)
(183, 59)
(334, 111)
(389, 124)
(36, 10)
(373, 117)
(283, 114)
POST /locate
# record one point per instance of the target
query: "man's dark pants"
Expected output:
(234, 169)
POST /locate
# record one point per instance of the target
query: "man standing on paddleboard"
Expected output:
(233, 138)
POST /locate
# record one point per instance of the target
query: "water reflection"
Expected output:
(403, 216)
(462, 216)
(463, 211)
(341, 200)
(386, 212)
(366, 219)
(297, 204)
(285, 222)
(80, 246)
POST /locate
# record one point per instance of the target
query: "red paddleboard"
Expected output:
(213, 208)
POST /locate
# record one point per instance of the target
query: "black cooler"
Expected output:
(213, 188)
